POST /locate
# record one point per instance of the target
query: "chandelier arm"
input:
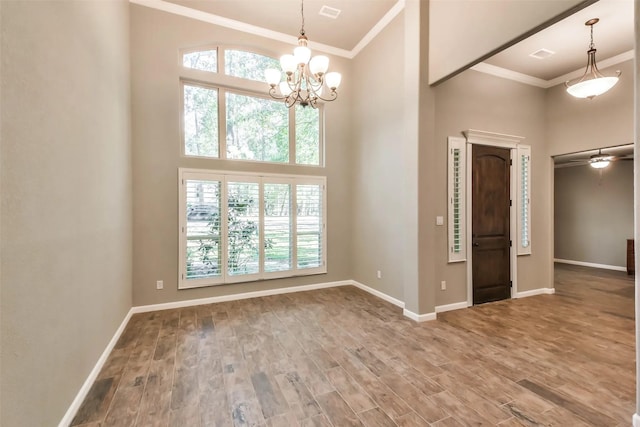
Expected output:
(274, 93)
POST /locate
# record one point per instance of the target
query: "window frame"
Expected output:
(523, 200)
(224, 177)
(224, 83)
(460, 144)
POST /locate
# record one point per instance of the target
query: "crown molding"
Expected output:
(377, 29)
(482, 137)
(211, 18)
(483, 67)
(504, 73)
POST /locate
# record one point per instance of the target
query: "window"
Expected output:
(242, 227)
(248, 65)
(228, 114)
(523, 168)
(456, 189)
(205, 60)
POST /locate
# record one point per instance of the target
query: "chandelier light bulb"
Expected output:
(272, 76)
(288, 63)
(319, 65)
(333, 80)
(302, 55)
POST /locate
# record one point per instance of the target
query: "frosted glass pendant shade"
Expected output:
(272, 76)
(592, 87)
(333, 80)
(288, 63)
(319, 64)
(302, 54)
(285, 90)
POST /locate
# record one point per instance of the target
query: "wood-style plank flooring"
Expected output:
(341, 357)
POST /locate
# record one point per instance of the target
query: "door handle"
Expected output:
(476, 245)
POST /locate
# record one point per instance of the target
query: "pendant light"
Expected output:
(592, 83)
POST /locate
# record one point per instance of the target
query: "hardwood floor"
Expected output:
(341, 357)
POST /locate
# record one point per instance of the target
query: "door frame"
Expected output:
(493, 140)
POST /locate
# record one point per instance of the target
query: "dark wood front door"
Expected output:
(491, 235)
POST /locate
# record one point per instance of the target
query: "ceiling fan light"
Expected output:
(593, 87)
(599, 163)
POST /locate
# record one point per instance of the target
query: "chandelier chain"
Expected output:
(302, 13)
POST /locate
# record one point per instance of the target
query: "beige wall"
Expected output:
(66, 199)
(378, 180)
(156, 157)
(594, 213)
(473, 100)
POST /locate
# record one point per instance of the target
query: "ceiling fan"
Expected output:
(599, 161)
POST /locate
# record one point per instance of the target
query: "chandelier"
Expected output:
(306, 78)
(592, 83)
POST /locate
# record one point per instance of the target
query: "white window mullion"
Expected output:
(292, 136)
(224, 229)
(261, 228)
(294, 227)
(222, 123)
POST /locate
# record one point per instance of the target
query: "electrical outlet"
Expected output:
(379, 274)
(159, 284)
(443, 285)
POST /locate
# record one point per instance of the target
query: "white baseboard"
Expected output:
(533, 292)
(86, 387)
(450, 307)
(590, 264)
(378, 294)
(235, 297)
(636, 420)
(419, 317)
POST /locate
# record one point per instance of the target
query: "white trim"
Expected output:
(492, 139)
(235, 297)
(378, 294)
(505, 73)
(636, 420)
(534, 292)
(590, 264)
(88, 383)
(377, 29)
(210, 18)
(451, 307)
(419, 317)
